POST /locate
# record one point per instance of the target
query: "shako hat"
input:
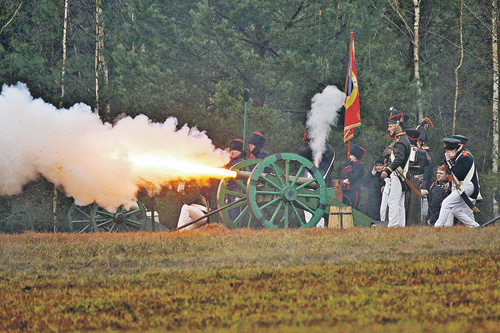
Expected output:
(257, 139)
(236, 144)
(413, 135)
(397, 117)
(463, 139)
(451, 143)
(423, 131)
(357, 151)
(427, 121)
(380, 160)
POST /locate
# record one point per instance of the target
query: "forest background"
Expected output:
(193, 60)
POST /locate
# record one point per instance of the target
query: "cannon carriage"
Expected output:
(284, 190)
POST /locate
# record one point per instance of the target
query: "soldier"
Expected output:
(438, 191)
(415, 202)
(326, 161)
(352, 177)
(424, 138)
(236, 151)
(465, 185)
(397, 168)
(463, 142)
(195, 206)
(256, 146)
(375, 187)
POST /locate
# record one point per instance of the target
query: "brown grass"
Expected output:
(375, 279)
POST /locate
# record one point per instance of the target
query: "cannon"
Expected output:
(282, 191)
(93, 218)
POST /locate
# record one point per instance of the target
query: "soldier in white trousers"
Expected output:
(460, 165)
(397, 167)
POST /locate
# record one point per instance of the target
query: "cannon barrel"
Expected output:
(241, 174)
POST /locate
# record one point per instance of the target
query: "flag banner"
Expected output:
(351, 103)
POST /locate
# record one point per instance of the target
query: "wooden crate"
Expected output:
(340, 217)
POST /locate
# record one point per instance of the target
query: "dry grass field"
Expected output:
(383, 280)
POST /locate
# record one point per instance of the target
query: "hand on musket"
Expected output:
(410, 185)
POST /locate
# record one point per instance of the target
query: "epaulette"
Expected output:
(464, 152)
(398, 136)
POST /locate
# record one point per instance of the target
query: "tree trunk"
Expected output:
(494, 43)
(416, 61)
(63, 74)
(97, 52)
(11, 18)
(100, 64)
(458, 67)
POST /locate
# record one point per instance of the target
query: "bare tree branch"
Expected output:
(11, 18)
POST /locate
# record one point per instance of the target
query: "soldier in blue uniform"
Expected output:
(256, 146)
(397, 168)
(236, 151)
(352, 177)
(375, 187)
(459, 163)
(424, 138)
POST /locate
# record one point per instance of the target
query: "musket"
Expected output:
(408, 182)
(491, 221)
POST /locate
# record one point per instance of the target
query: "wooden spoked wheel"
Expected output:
(230, 189)
(279, 198)
(93, 218)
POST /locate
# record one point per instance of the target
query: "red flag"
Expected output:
(351, 103)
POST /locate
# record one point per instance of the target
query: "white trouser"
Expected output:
(454, 205)
(396, 202)
(188, 214)
(385, 199)
(308, 216)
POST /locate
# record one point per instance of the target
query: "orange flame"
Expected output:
(168, 165)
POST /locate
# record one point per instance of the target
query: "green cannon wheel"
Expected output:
(278, 199)
(237, 216)
(93, 218)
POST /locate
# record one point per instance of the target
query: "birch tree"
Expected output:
(100, 67)
(63, 74)
(494, 43)
(457, 68)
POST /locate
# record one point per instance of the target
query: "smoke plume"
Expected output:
(90, 160)
(324, 114)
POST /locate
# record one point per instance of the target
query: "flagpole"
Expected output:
(346, 83)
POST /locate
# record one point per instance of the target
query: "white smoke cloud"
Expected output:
(90, 160)
(325, 112)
